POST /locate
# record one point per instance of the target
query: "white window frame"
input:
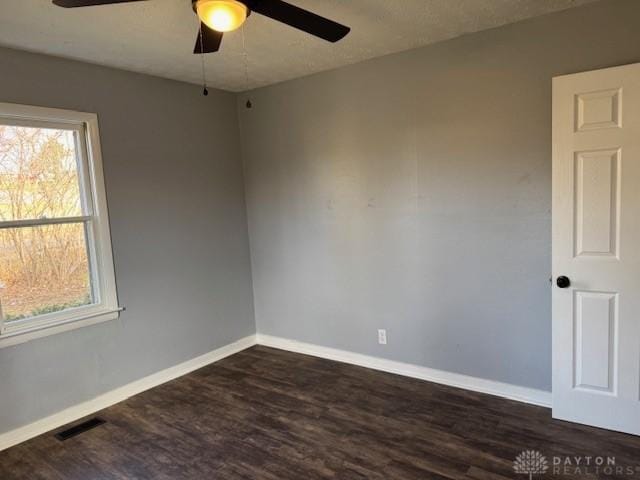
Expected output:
(96, 219)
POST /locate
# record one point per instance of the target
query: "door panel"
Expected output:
(595, 340)
(598, 110)
(596, 243)
(597, 201)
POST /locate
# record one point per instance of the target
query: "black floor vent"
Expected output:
(78, 429)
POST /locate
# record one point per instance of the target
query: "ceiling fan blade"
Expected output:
(88, 3)
(211, 40)
(299, 18)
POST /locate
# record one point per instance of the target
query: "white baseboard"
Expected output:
(71, 414)
(514, 392)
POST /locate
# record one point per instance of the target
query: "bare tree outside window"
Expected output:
(56, 262)
(43, 268)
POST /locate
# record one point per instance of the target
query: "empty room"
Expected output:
(319, 239)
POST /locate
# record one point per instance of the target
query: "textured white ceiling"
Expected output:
(157, 36)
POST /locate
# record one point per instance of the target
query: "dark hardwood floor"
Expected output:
(273, 415)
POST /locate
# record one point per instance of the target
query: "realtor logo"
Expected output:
(530, 462)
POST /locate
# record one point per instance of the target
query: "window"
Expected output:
(56, 268)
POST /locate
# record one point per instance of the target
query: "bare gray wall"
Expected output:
(413, 193)
(176, 202)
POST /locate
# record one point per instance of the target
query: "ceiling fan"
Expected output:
(220, 16)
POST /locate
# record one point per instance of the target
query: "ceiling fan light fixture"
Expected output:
(222, 15)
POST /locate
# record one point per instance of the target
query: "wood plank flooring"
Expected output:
(273, 415)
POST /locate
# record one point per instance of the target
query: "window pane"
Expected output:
(43, 269)
(38, 173)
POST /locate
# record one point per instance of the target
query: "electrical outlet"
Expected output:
(382, 337)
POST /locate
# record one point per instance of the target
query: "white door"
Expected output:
(596, 246)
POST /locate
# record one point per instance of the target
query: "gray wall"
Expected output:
(413, 193)
(410, 193)
(176, 200)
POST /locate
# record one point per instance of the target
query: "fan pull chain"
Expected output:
(245, 56)
(205, 92)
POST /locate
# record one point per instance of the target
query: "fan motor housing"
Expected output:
(195, 9)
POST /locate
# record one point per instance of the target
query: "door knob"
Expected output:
(563, 282)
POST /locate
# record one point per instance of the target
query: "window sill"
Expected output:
(10, 338)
